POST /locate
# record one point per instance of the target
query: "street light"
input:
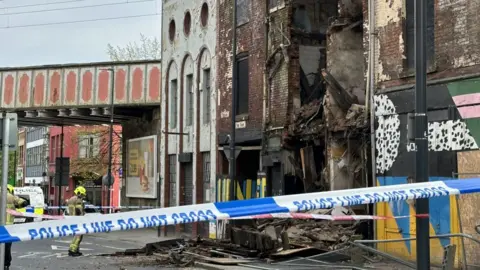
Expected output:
(110, 146)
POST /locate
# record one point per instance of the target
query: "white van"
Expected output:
(36, 202)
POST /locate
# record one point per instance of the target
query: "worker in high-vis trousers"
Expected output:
(76, 207)
(13, 202)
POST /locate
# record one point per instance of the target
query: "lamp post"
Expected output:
(234, 104)
(421, 136)
(110, 146)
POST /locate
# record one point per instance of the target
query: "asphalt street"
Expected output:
(52, 254)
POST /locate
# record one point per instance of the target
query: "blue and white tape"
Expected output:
(104, 207)
(225, 210)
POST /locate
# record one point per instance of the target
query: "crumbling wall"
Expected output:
(456, 41)
(345, 97)
(279, 57)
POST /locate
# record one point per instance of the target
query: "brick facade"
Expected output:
(456, 47)
(251, 40)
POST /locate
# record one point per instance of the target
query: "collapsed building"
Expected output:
(306, 74)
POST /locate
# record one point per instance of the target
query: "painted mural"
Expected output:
(453, 129)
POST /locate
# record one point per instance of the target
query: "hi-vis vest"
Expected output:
(75, 206)
(12, 203)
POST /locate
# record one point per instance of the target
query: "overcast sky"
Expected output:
(75, 32)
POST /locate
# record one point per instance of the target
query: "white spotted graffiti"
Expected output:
(387, 134)
(451, 135)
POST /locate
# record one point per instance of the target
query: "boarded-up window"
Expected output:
(242, 86)
(207, 196)
(206, 96)
(173, 103)
(410, 32)
(243, 12)
(189, 95)
(173, 179)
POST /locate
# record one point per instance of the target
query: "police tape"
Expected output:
(329, 217)
(105, 207)
(225, 210)
(265, 216)
(32, 215)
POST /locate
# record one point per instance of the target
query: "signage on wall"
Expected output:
(141, 179)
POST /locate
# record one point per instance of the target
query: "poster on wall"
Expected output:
(142, 168)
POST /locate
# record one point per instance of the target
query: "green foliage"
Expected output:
(148, 49)
(11, 165)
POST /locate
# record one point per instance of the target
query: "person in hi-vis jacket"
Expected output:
(13, 202)
(76, 207)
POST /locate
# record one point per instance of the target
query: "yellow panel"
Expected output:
(219, 190)
(393, 232)
(227, 190)
(248, 192)
(264, 187)
(38, 211)
(455, 228)
(239, 192)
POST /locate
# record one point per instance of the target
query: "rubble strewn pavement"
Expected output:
(254, 241)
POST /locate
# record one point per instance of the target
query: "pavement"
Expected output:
(51, 254)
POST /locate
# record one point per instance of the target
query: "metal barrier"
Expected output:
(360, 244)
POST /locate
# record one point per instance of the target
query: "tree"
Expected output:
(96, 165)
(149, 48)
(11, 166)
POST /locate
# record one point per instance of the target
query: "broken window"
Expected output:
(206, 96)
(273, 5)
(189, 95)
(410, 33)
(173, 103)
(301, 19)
(242, 86)
(243, 12)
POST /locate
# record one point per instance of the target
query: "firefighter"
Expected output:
(13, 202)
(76, 207)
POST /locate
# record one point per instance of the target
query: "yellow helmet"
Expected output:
(10, 189)
(80, 191)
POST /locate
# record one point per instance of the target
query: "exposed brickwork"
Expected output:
(457, 40)
(250, 38)
(279, 87)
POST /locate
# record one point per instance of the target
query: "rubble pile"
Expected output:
(269, 236)
(308, 121)
(269, 239)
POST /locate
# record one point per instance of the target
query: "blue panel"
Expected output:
(440, 213)
(29, 210)
(399, 208)
(250, 207)
(465, 185)
(5, 237)
(439, 206)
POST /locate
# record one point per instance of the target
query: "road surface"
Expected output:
(51, 254)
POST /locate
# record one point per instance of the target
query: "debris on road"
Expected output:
(257, 240)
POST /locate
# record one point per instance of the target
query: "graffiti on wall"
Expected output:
(387, 134)
(450, 135)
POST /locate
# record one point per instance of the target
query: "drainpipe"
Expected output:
(370, 104)
(265, 77)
